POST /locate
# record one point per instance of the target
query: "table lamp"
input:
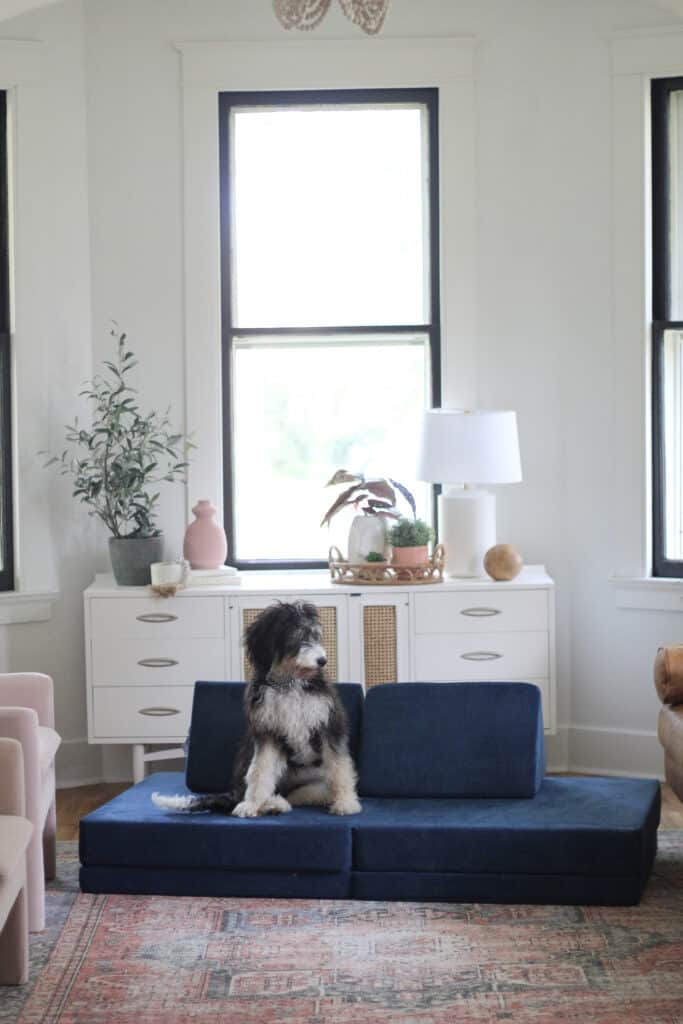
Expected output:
(468, 449)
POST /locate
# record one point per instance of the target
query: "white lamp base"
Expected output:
(467, 521)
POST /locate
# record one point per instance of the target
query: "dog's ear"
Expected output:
(259, 639)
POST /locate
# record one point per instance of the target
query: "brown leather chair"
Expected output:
(669, 686)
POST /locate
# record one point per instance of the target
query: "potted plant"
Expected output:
(117, 463)
(374, 499)
(409, 539)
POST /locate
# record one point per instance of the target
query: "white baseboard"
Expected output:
(596, 750)
(586, 749)
(78, 763)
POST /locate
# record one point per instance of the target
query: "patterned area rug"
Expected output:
(157, 960)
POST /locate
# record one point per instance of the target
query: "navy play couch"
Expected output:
(456, 807)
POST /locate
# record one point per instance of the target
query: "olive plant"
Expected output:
(117, 462)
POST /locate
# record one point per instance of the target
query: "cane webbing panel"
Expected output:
(380, 643)
(328, 620)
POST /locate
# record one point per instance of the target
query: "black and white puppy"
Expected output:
(295, 751)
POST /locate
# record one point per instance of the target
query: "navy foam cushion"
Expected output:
(218, 724)
(131, 831)
(311, 885)
(452, 740)
(422, 886)
(593, 827)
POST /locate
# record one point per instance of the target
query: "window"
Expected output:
(667, 329)
(330, 305)
(6, 543)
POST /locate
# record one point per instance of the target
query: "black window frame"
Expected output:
(6, 491)
(429, 97)
(660, 92)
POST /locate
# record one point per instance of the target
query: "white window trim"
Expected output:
(21, 68)
(213, 67)
(637, 56)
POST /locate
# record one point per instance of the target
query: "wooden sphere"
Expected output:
(502, 562)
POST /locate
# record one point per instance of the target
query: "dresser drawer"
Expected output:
(122, 662)
(157, 618)
(456, 657)
(141, 712)
(480, 611)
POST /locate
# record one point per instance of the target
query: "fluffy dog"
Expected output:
(295, 751)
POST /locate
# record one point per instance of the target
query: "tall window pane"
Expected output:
(672, 414)
(676, 203)
(329, 240)
(310, 406)
(329, 219)
(6, 510)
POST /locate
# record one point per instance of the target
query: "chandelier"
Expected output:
(307, 14)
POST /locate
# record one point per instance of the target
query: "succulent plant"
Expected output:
(410, 533)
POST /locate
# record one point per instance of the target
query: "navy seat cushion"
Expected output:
(218, 724)
(573, 826)
(131, 831)
(452, 740)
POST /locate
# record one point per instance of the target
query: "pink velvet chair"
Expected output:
(27, 715)
(15, 836)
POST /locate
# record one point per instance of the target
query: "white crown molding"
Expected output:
(363, 63)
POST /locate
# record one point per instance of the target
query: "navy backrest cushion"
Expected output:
(452, 740)
(218, 725)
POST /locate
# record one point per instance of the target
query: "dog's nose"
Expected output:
(322, 662)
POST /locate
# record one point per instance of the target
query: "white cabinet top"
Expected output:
(307, 581)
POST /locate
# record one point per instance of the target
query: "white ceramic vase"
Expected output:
(367, 533)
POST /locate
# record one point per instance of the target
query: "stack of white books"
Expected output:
(224, 576)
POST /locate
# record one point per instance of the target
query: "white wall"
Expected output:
(52, 355)
(544, 307)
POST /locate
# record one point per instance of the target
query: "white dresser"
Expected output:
(144, 653)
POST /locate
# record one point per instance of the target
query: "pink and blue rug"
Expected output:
(162, 960)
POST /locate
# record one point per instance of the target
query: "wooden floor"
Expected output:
(72, 804)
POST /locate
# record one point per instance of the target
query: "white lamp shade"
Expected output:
(469, 447)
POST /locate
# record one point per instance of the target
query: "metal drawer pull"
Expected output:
(158, 712)
(157, 662)
(480, 613)
(157, 617)
(481, 656)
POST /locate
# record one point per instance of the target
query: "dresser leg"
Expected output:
(138, 762)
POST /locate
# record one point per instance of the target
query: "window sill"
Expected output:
(27, 606)
(648, 593)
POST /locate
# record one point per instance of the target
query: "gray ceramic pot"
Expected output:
(131, 558)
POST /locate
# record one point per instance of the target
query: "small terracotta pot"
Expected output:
(409, 557)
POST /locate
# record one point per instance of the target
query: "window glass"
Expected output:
(307, 407)
(329, 224)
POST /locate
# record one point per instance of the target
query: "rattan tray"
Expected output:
(384, 574)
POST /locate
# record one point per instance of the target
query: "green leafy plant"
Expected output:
(410, 533)
(374, 556)
(117, 463)
(373, 496)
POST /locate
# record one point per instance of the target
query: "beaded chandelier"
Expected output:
(307, 14)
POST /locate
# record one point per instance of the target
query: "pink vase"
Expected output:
(205, 546)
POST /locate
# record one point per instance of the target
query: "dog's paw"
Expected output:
(245, 810)
(351, 805)
(275, 805)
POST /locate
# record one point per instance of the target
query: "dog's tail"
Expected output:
(222, 802)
